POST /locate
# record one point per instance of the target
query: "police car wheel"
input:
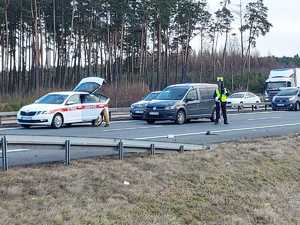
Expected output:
(57, 121)
(98, 121)
(180, 117)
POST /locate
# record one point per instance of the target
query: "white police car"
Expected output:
(65, 108)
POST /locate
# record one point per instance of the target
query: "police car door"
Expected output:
(74, 108)
(91, 107)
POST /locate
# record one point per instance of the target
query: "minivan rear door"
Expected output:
(89, 85)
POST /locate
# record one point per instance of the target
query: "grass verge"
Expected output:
(255, 182)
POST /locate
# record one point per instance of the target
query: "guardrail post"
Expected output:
(152, 149)
(252, 108)
(67, 152)
(181, 149)
(4, 153)
(266, 107)
(121, 148)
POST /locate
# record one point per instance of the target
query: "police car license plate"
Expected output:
(154, 113)
(280, 104)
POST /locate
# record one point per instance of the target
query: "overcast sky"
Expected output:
(284, 37)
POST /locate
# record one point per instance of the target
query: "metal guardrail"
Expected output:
(118, 145)
(263, 106)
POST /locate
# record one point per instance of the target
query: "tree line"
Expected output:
(52, 44)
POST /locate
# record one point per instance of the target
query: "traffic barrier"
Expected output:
(4, 153)
(118, 146)
(67, 152)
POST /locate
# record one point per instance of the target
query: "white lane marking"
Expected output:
(17, 150)
(222, 131)
(254, 113)
(126, 121)
(132, 128)
(265, 118)
(3, 129)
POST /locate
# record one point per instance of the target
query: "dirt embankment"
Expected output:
(237, 183)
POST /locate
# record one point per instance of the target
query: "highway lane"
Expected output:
(242, 126)
(245, 125)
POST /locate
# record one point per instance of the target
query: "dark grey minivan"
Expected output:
(183, 102)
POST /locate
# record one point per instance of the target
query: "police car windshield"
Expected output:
(53, 99)
(288, 92)
(173, 93)
(237, 95)
(151, 96)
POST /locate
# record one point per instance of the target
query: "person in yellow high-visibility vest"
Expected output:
(221, 95)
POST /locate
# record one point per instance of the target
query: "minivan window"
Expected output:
(192, 95)
(173, 93)
(290, 92)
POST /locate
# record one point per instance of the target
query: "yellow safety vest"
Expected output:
(224, 97)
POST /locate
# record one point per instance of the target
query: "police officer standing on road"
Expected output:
(221, 96)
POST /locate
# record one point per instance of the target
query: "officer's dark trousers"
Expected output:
(220, 106)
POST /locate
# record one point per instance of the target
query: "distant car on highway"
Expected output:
(182, 102)
(137, 109)
(65, 108)
(287, 99)
(243, 100)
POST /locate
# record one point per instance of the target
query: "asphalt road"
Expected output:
(242, 126)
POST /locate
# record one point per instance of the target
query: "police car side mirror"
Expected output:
(70, 103)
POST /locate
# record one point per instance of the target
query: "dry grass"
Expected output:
(238, 183)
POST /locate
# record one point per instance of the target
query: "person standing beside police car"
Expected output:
(221, 95)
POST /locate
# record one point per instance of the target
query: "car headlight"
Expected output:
(41, 113)
(170, 107)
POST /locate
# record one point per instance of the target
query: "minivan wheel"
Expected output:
(297, 106)
(57, 121)
(213, 116)
(180, 117)
(150, 121)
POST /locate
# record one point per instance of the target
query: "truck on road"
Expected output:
(281, 78)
